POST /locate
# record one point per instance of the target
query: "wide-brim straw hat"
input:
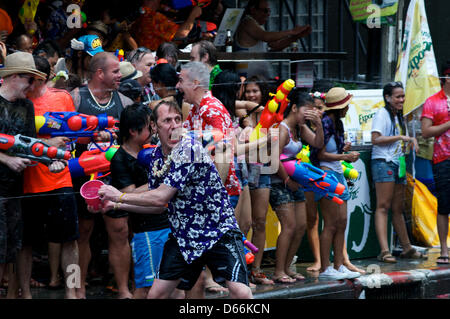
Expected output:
(128, 71)
(337, 98)
(20, 62)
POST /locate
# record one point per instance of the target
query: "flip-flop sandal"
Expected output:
(259, 278)
(446, 262)
(412, 254)
(284, 280)
(386, 257)
(297, 277)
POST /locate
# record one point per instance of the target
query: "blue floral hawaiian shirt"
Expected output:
(200, 213)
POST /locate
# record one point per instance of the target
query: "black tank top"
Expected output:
(89, 106)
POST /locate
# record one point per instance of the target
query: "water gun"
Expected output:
(28, 11)
(273, 111)
(143, 157)
(120, 55)
(92, 162)
(32, 148)
(313, 179)
(349, 171)
(304, 154)
(74, 125)
(249, 253)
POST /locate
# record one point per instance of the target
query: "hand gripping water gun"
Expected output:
(31, 148)
(28, 11)
(349, 171)
(304, 154)
(313, 179)
(74, 124)
(249, 254)
(274, 109)
(208, 138)
(92, 162)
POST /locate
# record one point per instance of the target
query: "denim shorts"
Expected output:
(147, 250)
(341, 179)
(241, 172)
(257, 180)
(441, 175)
(280, 195)
(383, 172)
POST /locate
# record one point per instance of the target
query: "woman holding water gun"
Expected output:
(328, 158)
(389, 177)
(286, 196)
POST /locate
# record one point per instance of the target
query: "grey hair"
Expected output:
(198, 71)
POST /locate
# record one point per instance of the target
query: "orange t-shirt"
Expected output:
(38, 178)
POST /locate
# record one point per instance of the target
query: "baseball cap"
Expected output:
(91, 44)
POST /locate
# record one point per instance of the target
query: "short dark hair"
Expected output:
(207, 47)
(42, 65)
(134, 117)
(48, 47)
(164, 73)
(226, 85)
(167, 49)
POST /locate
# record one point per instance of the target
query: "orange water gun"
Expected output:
(272, 115)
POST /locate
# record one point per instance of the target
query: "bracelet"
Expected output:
(116, 206)
(120, 197)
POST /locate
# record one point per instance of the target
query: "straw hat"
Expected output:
(337, 98)
(128, 71)
(20, 62)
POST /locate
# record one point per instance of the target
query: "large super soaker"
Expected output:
(92, 162)
(73, 124)
(273, 112)
(31, 148)
(313, 179)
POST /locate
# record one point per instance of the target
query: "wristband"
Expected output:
(120, 197)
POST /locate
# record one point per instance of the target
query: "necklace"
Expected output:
(159, 173)
(95, 100)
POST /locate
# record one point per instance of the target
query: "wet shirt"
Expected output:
(437, 109)
(15, 118)
(212, 114)
(200, 213)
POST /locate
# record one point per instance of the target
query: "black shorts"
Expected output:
(225, 259)
(10, 229)
(441, 175)
(51, 216)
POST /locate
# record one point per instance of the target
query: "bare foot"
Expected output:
(352, 267)
(314, 267)
(296, 276)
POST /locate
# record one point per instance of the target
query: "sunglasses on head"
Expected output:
(138, 52)
(31, 78)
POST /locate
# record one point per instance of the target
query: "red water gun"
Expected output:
(92, 162)
(31, 148)
(273, 112)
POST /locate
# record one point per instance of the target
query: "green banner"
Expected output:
(374, 12)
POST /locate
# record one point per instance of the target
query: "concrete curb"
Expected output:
(411, 284)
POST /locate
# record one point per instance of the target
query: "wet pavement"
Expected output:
(418, 279)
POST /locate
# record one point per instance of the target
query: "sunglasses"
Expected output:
(31, 78)
(138, 52)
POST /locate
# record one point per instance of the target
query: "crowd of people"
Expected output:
(175, 225)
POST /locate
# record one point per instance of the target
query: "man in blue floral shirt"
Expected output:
(204, 229)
